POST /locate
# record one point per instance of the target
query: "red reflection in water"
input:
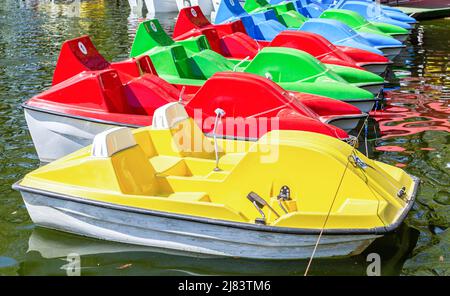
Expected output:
(400, 165)
(391, 148)
(407, 114)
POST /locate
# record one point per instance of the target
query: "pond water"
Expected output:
(415, 137)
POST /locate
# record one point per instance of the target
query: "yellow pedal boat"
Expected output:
(168, 186)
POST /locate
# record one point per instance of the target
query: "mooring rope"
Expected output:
(332, 203)
(325, 222)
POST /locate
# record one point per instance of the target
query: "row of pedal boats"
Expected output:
(369, 9)
(213, 142)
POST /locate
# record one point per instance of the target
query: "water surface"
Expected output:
(415, 130)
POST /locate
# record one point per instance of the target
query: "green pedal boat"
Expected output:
(191, 62)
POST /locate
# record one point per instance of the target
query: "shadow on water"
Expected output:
(413, 128)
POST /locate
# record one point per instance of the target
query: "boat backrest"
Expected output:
(269, 15)
(228, 10)
(135, 67)
(149, 35)
(169, 58)
(288, 7)
(111, 141)
(190, 18)
(213, 38)
(251, 28)
(133, 171)
(78, 55)
(174, 133)
(168, 116)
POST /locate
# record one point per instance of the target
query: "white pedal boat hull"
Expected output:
(364, 105)
(345, 122)
(373, 88)
(391, 52)
(55, 136)
(178, 233)
(376, 68)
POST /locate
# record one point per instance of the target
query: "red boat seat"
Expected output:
(191, 18)
(100, 89)
(83, 77)
(228, 39)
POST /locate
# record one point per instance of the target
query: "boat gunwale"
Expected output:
(224, 223)
(25, 105)
(209, 134)
(116, 123)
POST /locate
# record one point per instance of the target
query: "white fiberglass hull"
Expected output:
(364, 105)
(391, 52)
(345, 122)
(401, 37)
(55, 136)
(146, 228)
(376, 68)
(373, 88)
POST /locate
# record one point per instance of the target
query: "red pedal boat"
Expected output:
(90, 95)
(231, 40)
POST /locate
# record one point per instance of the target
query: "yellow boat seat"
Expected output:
(168, 165)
